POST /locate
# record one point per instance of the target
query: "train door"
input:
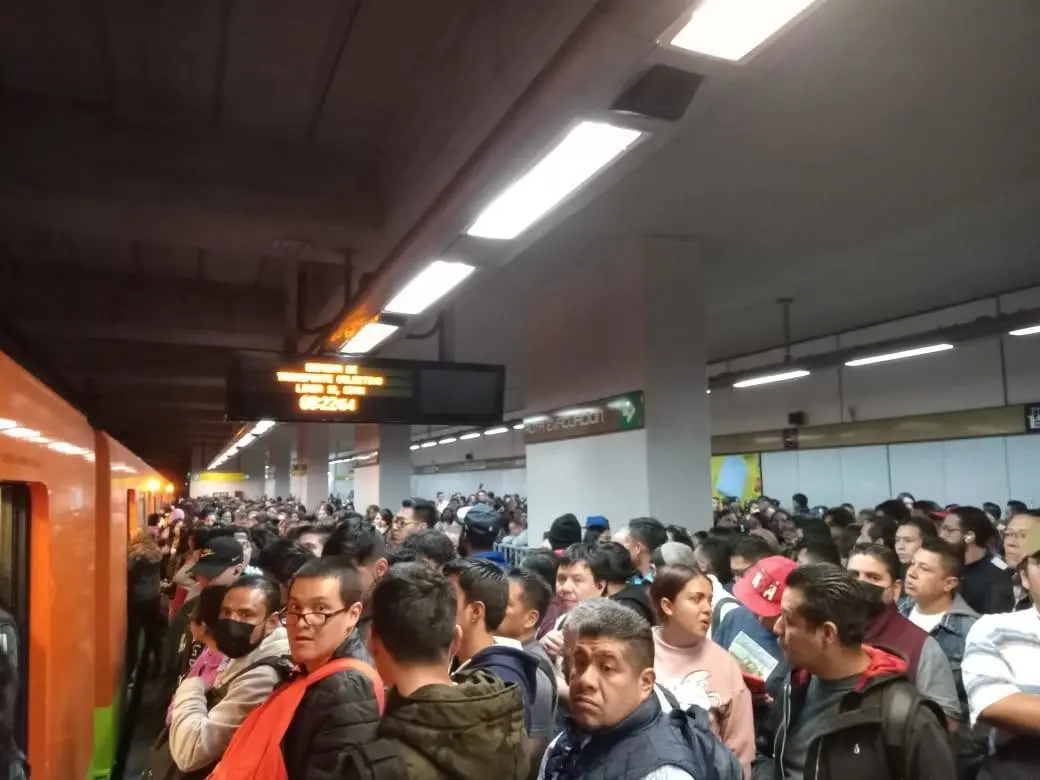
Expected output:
(15, 511)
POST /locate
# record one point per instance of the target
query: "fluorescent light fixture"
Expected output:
(245, 441)
(427, 444)
(709, 391)
(66, 449)
(338, 461)
(770, 378)
(906, 353)
(1030, 331)
(496, 431)
(468, 436)
(436, 280)
(518, 427)
(538, 418)
(732, 29)
(414, 447)
(368, 338)
(21, 433)
(5, 424)
(40, 440)
(585, 150)
(448, 440)
(263, 427)
(90, 456)
(368, 455)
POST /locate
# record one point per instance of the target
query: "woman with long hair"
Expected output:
(695, 669)
(143, 582)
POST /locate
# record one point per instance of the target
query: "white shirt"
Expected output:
(1001, 658)
(926, 623)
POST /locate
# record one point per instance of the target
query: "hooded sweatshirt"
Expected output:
(510, 663)
(469, 731)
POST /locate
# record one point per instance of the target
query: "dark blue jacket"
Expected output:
(742, 620)
(495, 557)
(510, 665)
(645, 741)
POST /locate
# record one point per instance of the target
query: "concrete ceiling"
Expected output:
(171, 170)
(876, 160)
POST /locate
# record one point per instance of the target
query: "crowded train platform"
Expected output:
(519, 390)
(885, 641)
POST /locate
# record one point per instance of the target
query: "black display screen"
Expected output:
(333, 388)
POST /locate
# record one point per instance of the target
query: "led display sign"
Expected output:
(326, 388)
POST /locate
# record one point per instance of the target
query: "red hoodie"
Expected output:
(880, 663)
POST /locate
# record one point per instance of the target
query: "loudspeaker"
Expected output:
(661, 93)
(796, 418)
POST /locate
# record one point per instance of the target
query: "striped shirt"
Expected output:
(1001, 658)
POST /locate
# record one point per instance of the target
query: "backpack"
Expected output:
(716, 613)
(378, 760)
(717, 760)
(900, 704)
(255, 752)
(161, 765)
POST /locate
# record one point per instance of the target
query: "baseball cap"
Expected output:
(1031, 544)
(761, 589)
(482, 522)
(217, 556)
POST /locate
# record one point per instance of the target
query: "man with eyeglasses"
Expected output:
(415, 515)
(341, 711)
(1018, 526)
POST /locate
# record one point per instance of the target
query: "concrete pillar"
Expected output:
(253, 462)
(310, 479)
(279, 461)
(389, 480)
(622, 319)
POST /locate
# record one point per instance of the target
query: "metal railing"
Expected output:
(512, 553)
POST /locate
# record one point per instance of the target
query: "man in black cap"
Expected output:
(564, 531)
(480, 530)
(221, 562)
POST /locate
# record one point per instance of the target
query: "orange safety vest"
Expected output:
(255, 752)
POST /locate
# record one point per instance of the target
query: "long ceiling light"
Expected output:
(368, 338)
(770, 378)
(1030, 331)
(732, 29)
(905, 353)
(21, 433)
(496, 431)
(437, 280)
(427, 444)
(245, 441)
(585, 150)
(5, 424)
(263, 427)
(469, 436)
(448, 440)
(414, 447)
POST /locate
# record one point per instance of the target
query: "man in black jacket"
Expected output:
(838, 715)
(986, 581)
(340, 712)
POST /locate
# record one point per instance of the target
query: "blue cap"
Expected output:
(597, 521)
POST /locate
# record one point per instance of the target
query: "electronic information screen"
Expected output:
(328, 388)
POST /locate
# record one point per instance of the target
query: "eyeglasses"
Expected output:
(312, 619)
(401, 522)
(1018, 536)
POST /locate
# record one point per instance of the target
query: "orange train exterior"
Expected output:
(85, 494)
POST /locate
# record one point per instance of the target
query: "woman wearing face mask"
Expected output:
(203, 624)
(249, 633)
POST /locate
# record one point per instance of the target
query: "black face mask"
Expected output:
(235, 638)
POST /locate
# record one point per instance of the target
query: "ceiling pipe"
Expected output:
(982, 328)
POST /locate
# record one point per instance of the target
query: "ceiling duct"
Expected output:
(982, 328)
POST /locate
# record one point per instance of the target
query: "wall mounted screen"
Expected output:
(334, 388)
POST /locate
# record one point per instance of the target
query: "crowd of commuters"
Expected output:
(437, 641)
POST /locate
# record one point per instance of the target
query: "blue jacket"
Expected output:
(951, 634)
(495, 557)
(742, 620)
(512, 665)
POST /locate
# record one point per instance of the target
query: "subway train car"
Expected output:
(69, 497)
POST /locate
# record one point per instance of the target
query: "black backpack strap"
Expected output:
(716, 612)
(282, 665)
(900, 706)
(378, 760)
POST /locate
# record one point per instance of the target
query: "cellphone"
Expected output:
(756, 685)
